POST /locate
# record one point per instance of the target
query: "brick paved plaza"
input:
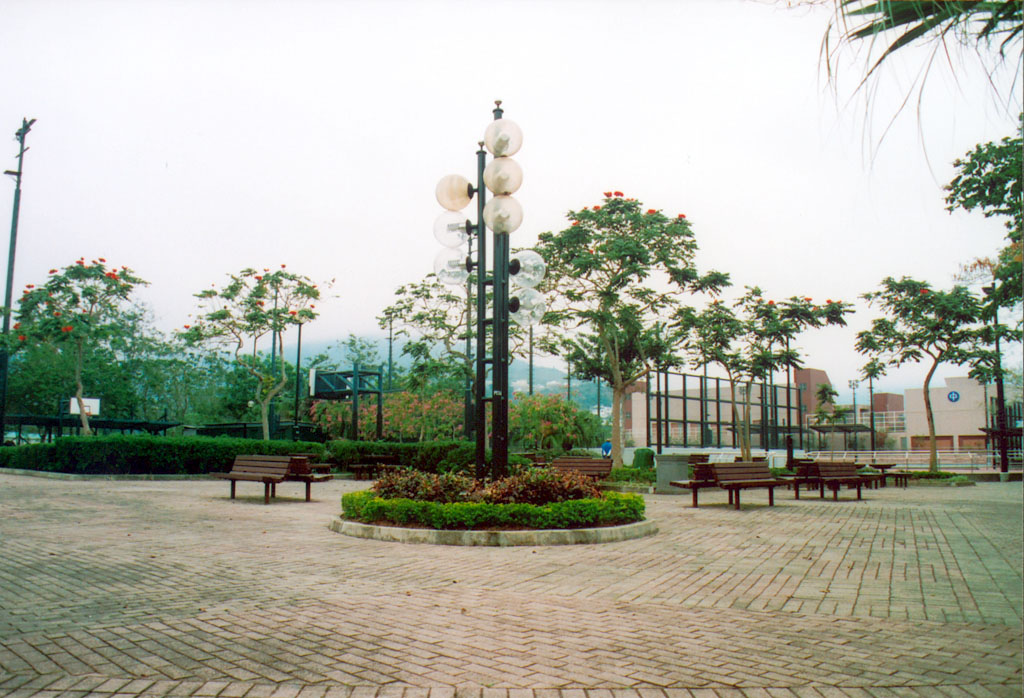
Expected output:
(170, 588)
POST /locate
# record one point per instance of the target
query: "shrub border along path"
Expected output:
(574, 536)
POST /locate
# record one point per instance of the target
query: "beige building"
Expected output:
(959, 411)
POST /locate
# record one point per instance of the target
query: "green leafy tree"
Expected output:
(827, 411)
(923, 324)
(431, 316)
(357, 350)
(77, 309)
(613, 277)
(750, 341)
(550, 423)
(989, 179)
(871, 372)
(251, 306)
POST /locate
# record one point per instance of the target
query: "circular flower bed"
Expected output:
(533, 498)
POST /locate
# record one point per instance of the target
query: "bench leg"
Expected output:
(736, 496)
(835, 493)
(730, 498)
(233, 489)
(273, 490)
(307, 491)
(771, 496)
(695, 497)
(796, 490)
(821, 490)
(858, 490)
(266, 492)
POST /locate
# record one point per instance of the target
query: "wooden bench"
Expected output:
(834, 475)
(702, 478)
(269, 470)
(806, 473)
(301, 470)
(372, 465)
(735, 477)
(596, 468)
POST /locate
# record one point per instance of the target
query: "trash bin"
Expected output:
(669, 467)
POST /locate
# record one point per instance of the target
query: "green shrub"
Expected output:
(641, 475)
(526, 485)
(409, 483)
(611, 509)
(643, 458)
(540, 486)
(144, 454)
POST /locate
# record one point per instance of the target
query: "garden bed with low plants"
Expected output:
(530, 499)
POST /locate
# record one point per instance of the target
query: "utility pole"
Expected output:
(26, 126)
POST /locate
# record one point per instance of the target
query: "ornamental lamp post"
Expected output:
(854, 384)
(502, 215)
(1001, 433)
(26, 126)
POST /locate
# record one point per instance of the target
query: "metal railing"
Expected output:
(972, 460)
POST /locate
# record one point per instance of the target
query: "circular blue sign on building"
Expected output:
(953, 396)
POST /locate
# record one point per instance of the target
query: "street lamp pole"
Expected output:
(502, 215)
(26, 126)
(1004, 456)
(853, 387)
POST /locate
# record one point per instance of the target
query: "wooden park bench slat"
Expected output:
(834, 475)
(372, 465)
(735, 477)
(597, 468)
(703, 477)
(270, 470)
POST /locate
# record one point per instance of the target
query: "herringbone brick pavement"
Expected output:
(140, 588)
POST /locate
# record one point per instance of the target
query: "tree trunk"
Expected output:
(618, 395)
(735, 412)
(933, 454)
(79, 390)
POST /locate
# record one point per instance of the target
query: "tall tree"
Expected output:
(77, 309)
(989, 179)
(750, 341)
(250, 306)
(923, 324)
(614, 277)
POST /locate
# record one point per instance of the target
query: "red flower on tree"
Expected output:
(22, 338)
(607, 195)
(651, 211)
(66, 328)
(681, 215)
(597, 208)
(619, 193)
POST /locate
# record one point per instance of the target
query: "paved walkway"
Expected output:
(137, 588)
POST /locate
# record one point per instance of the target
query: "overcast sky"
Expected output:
(188, 139)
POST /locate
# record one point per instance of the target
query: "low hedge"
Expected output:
(611, 509)
(642, 475)
(425, 456)
(143, 454)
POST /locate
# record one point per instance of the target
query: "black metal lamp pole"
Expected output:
(1004, 456)
(26, 126)
(480, 386)
(502, 215)
(871, 399)
(298, 370)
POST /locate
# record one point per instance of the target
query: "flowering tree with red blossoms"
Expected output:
(614, 277)
(78, 306)
(252, 305)
(408, 416)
